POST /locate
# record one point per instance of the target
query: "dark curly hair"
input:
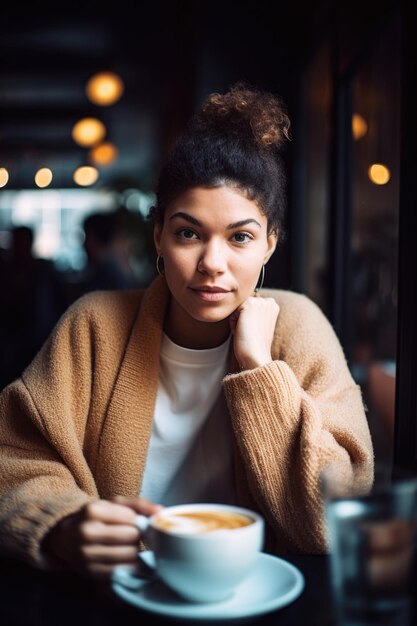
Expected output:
(234, 139)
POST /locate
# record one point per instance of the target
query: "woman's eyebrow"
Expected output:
(196, 222)
(186, 217)
(244, 223)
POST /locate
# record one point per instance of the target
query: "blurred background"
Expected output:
(92, 96)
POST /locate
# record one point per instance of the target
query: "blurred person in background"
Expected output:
(108, 248)
(32, 300)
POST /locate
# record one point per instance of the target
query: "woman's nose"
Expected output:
(212, 259)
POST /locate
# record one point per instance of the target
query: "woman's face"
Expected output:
(214, 242)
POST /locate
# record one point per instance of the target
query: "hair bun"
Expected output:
(244, 110)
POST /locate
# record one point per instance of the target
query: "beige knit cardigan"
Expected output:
(76, 425)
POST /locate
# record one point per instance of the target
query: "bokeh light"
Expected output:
(379, 174)
(105, 88)
(88, 131)
(43, 177)
(359, 126)
(104, 154)
(4, 177)
(85, 176)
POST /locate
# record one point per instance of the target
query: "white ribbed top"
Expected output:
(190, 454)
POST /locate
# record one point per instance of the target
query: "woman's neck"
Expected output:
(188, 332)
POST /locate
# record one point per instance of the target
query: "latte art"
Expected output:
(199, 522)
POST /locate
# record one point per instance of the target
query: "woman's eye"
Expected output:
(242, 237)
(186, 233)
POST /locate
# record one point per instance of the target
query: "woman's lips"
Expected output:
(211, 294)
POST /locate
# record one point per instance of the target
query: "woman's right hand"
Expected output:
(99, 536)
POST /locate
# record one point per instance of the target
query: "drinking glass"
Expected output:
(372, 540)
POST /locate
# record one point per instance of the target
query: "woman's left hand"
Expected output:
(253, 326)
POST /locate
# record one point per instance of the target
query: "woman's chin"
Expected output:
(212, 319)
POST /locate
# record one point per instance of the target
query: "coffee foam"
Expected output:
(200, 522)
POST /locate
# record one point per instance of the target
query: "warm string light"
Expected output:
(4, 176)
(105, 88)
(359, 126)
(379, 174)
(85, 176)
(104, 154)
(43, 177)
(88, 132)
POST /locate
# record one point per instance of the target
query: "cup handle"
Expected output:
(146, 565)
(142, 522)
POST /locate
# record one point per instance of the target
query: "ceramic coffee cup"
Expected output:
(203, 551)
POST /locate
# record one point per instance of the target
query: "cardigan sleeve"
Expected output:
(44, 475)
(294, 416)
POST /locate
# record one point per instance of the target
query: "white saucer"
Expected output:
(273, 584)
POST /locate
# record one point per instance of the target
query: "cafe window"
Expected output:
(56, 217)
(373, 286)
(347, 206)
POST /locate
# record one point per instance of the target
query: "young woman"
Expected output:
(200, 388)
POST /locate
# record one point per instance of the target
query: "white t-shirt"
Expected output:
(190, 453)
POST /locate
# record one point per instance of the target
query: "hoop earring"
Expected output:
(261, 279)
(158, 269)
